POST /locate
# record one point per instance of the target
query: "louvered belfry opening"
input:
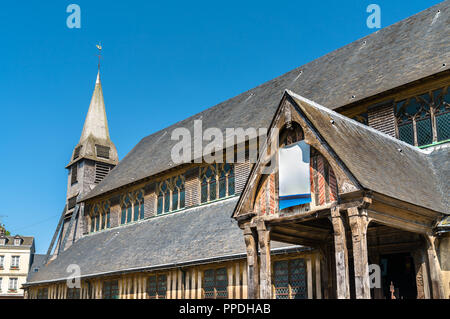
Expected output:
(76, 153)
(102, 151)
(101, 170)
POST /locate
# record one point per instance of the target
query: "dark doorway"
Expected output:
(398, 276)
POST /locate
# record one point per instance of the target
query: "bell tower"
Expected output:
(92, 159)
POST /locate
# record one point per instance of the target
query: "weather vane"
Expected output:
(99, 47)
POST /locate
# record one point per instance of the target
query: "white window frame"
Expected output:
(15, 261)
(2, 241)
(15, 285)
(17, 242)
(1, 281)
(2, 261)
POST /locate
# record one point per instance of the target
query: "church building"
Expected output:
(347, 196)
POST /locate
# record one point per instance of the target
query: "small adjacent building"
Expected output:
(16, 256)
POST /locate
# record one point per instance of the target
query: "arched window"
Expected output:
(126, 210)
(217, 181)
(139, 206)
(132, 207)
(424, 119)
(107, 214)
(100, 216)
(97, 218)
(171, 195)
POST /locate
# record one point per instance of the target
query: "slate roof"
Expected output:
(27, 241)
(409, 50)
(382, 163)
(197, 234)
(37, 263)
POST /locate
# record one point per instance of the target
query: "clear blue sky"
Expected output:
(163, 61)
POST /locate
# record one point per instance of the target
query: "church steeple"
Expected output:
(95, 143)
(92, 159)
(96, 123)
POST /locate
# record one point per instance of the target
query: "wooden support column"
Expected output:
(120, 284)
(341, 255)
(174, 284)
(135, 287)
(230, 282)
(309, 278)
(129, 287)
(435, 269)
(420, 267)
(244, 281)
(193, 290)
(187, 290)
(169, 285)
(144, 286)
(180, 289)
(237, 280)
(199, 284)
(318, 276)
(265, 274)
(138, 288)
(359, 221)
(251, 240)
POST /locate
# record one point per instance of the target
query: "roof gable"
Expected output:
(378, 161)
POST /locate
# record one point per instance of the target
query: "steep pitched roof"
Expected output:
(409, 50)
(37, 262)
(380, 162)
(95, 131)
(194, 235)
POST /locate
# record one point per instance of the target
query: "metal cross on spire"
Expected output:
(99, 47)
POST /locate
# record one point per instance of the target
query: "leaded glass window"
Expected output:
(171, 195)
(73, 293)
(215, 283)
(111, 289)
(289, 279)
(100, 216)
(157, 287)
(217, 181)
(132, 207)
(424, 119)
(42, 293)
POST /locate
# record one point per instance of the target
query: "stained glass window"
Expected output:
(123, 216)
(42, 293)
(132, 207)
(217, 181)
(171, 195)
(97, 223)
(424, 119)
(215, 283)
(289, 279)
(92, 224)
(73, 293)
(157, 287)
(111, 289)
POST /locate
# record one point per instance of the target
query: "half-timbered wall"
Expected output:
(323, 188)
(215, 280)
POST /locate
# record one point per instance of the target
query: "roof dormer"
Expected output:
(18, 240)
